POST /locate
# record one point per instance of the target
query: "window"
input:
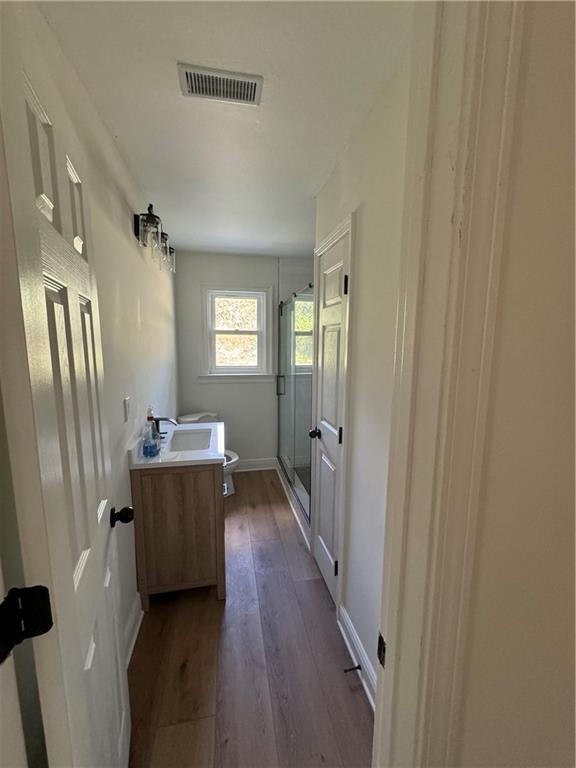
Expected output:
(237, 337)
(303, 332)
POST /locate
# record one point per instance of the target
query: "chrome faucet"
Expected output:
(158, 419)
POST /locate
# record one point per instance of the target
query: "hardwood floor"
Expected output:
(257, 681)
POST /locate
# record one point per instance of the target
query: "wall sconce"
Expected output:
(148, 232)
(148, 229)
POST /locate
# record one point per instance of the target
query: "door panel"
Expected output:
(330, 370)
(326, 521)
(332, 281)
(332, 264)
(77, 522)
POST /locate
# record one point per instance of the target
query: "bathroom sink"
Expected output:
(191, 440)
(183, 446)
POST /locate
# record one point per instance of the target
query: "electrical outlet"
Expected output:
(126, 402)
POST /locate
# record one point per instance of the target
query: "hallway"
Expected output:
(256, 681)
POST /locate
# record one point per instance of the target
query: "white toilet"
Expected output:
(231, 457)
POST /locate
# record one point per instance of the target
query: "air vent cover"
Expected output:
(219, 85)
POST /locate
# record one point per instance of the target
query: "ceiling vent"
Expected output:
(218, 85)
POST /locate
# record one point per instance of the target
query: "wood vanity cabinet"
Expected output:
(179, 526)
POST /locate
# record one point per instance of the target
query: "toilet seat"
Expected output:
(231, 460)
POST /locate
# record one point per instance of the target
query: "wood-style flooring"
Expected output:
(256, 681)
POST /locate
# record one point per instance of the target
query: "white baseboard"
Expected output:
(358, 653)
(133, 627)
(295, 506)
(253, 465)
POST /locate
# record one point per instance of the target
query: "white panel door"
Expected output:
(72, 465)
(332, 267)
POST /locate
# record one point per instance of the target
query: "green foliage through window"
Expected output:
(303, 315)
(236, 350)
(234, 313)
(303, 332)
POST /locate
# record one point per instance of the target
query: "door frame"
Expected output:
(463, 91)
(345, 227)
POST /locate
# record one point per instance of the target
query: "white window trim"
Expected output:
(265, 334)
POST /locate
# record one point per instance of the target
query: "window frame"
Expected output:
(263, 332)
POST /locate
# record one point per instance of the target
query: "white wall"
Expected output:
(519, 677)
(247, 404)
(369, 180)
(136, 300)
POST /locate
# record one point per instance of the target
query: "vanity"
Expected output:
(179, 511)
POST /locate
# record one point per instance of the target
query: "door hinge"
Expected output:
(25, 612)
(381, 650)
(340, 432)
(335, 567)
(345, 285)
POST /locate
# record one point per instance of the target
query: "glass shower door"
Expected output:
(295, 394)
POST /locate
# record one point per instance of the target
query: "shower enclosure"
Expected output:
(294, 389)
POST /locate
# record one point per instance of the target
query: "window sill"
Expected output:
(261, 378)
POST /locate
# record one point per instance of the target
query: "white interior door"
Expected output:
(84, 696)
(332, 271)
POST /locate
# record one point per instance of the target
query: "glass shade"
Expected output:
(150, 229)
(165, 244)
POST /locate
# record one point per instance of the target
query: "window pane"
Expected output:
(236, 350)
(303, 350)
(234, 313)
(303, 315)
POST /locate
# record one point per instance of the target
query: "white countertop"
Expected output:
(213, 454)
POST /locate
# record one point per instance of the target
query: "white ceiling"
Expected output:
(226, 177)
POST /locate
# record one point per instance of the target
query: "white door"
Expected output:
(331, 279)
(84, 695)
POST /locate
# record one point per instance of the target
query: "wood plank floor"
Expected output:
(257, 681)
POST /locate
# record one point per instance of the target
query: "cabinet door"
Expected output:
(179, 526)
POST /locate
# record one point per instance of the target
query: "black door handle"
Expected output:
(314, 433)
(126, 515)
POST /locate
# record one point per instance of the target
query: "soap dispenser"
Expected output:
(150, 437)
